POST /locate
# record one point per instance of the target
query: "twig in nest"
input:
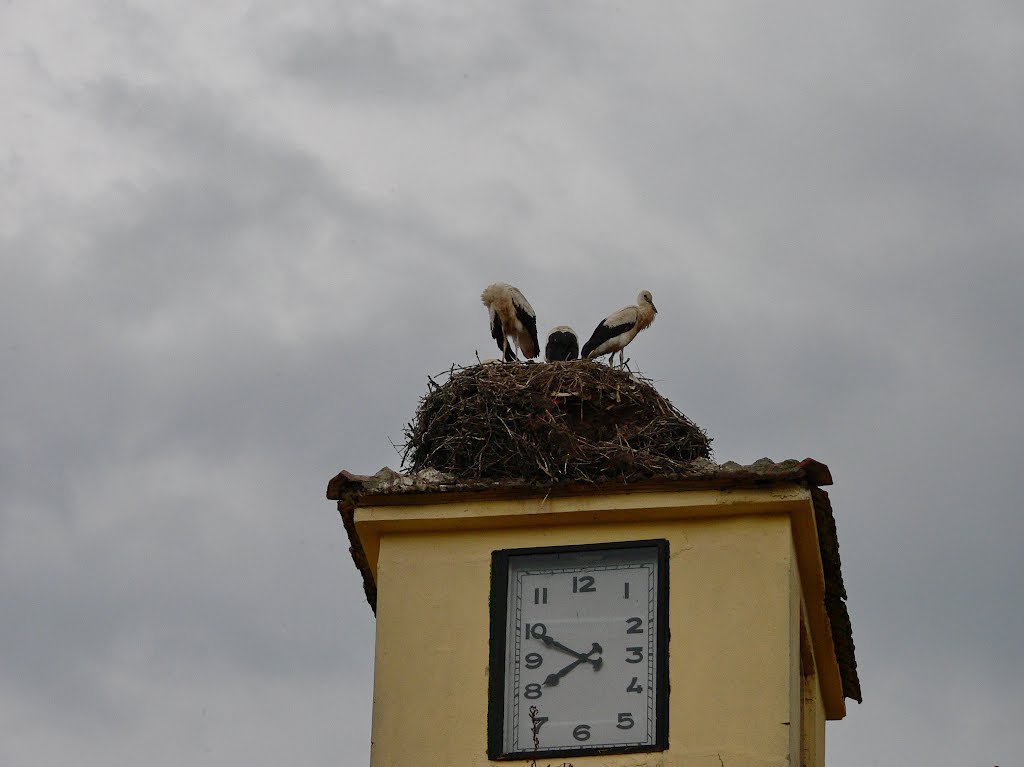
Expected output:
(561, 421)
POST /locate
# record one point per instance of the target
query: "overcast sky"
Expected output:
(236, 237)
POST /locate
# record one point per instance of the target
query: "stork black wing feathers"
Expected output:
(603, 333)
(562, 346)
(498, 334)
(530, 323)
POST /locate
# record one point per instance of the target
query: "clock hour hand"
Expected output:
(584, 657)
(553, 679)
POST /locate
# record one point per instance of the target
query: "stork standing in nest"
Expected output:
(618, 329)
(562, 345)
(513, 318)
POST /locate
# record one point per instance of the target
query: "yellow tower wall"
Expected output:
(737, 692)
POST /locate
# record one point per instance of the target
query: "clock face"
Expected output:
(578, 655)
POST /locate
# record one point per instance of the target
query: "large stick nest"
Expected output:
(557, 421)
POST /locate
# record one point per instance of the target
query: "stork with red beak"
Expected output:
(618, 329)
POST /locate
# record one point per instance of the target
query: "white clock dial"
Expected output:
(582, 640)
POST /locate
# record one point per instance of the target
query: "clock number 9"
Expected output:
(534, 660)
(582, 732)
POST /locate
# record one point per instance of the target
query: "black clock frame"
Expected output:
(496, 685)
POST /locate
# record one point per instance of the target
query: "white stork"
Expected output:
(618, 329)
(513, 318)
(562, 344)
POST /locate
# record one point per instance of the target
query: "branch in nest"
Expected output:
(553, 422)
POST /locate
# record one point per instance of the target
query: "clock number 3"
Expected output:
(637, 653)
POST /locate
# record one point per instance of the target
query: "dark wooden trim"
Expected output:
(496, 683)
(664, 637)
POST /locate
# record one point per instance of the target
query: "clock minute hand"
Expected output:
(552, 679)
(584, 657)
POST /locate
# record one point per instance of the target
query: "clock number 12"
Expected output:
(583, 584)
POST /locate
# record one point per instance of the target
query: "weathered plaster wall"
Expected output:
(733, 625)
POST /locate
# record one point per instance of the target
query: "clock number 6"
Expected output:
(582, 732)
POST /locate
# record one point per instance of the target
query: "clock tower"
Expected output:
(689, 618)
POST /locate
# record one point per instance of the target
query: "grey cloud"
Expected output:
(824, 204)
(397, 55)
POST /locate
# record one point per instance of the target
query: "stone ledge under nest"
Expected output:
(575, 421)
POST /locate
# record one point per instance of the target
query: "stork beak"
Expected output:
(654, 307)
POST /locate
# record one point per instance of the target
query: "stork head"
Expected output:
(645, 298)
